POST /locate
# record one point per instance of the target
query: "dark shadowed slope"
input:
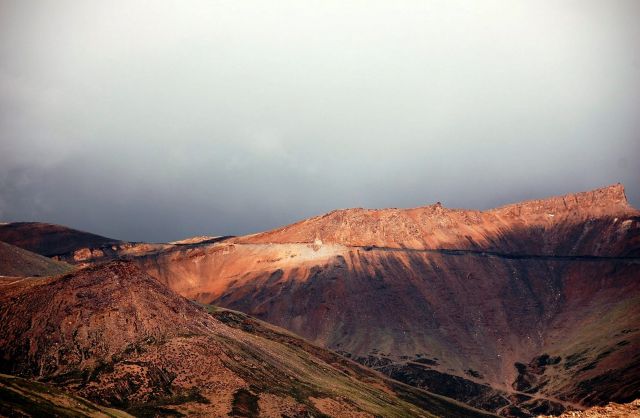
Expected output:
(118, 337)
(50, 240)
(15, 261)
(83, 248)
(26, 398)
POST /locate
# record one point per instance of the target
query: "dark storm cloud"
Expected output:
(159, 120)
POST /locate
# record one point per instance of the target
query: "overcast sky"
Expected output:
(159, 120)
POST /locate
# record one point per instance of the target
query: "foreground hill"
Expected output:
(15, 261)
(118, 337)
(526, 309)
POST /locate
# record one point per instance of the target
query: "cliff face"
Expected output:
(118, 337)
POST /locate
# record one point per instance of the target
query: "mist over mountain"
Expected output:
(153, 122)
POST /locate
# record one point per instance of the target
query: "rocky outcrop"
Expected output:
(589, 223)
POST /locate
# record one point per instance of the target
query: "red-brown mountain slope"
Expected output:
(581, 223)
(465, 303)
(118, 337)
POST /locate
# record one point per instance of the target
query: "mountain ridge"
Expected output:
(435, 227)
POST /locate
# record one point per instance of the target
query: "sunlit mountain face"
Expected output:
(526, 309)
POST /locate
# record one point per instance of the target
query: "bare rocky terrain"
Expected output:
(611, 410)
(528, 309)
(116, 336)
